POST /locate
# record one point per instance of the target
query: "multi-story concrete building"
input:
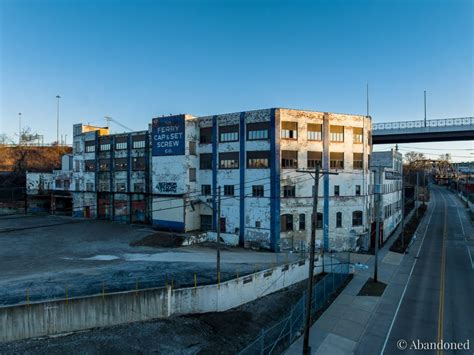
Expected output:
(254, 156)
(111, 174)
(389, 164)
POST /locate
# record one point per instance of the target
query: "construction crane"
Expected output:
(109, 119)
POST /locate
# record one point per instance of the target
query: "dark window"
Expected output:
(205, 135)
(120, 187)
(222, 225)
(289, 191)
(229, 133)
(228, 190)
(257, 191)
(319, 220)
(121, 164)
(338, 220)
(139, 187)
(205, 189)
(205, 161)
(289, 159)
(357, 190)
(358, 160)
(258, 131)
(302, 222)
(192, 174)
(289, 130)
(356, 218)
(286, 222)
(192, 148)
(315, 132)
(336, 160)
(206, 222)
(138, 163)
(257, 224)
(89, 165)
(357, 133)
(336, 190)
(258, 160)
(104, 165)
(314, 159)
(229, 160)
(336, 133)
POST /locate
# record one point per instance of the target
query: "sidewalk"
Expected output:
(359, 324)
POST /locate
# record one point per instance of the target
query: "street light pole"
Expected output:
(425, 106)
(218, 235)
(57, 118)
(378, 192)
(19, 128)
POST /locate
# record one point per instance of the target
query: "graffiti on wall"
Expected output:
(260, 236)
(167, 187)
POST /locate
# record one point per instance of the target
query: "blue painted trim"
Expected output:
(175, 226)
(242, 166)
(326, 212)
(214, 172)
(129, 161)
(274, 182)
(112, 177)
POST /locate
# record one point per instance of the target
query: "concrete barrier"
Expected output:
(67, 315)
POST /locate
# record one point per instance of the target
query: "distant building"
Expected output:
(389, 164)
(111, 174)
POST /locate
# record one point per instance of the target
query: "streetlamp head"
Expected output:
(58, 97)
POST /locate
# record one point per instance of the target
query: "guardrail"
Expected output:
(445, 122)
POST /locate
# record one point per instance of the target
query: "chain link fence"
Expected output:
(280, 336)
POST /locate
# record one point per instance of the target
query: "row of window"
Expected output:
(121, 164)
(289, 130)
(121, 143)
(287, 221)
(289, 160)
(290, 190)
(391, 209)
(104, 186)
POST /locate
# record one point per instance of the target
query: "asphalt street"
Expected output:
(438, 303)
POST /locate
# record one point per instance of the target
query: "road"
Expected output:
(438, 302)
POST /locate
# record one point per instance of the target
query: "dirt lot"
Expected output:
(210, 333)
(43, 256)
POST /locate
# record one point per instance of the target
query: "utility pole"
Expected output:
(416, 191)
(218, 234)
(19, 128)
(309, 296)
(57, 118)
(403, 211)
(378, 188)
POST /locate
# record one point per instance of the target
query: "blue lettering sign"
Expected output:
(168, 136)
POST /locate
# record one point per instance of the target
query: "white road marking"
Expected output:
(408, 281)
(464, 233)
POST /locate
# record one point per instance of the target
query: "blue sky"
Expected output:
(134, 60)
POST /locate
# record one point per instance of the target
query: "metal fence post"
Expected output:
(262, 342)
(291, 324)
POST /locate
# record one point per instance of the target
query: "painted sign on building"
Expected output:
(168, 136)
(392, 175)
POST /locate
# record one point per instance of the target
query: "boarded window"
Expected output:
(336, 133)
(205, 161)
(336, 160)
(229, 160)
(205, 135)
(229, 133)
(314, 159)
(192, 148)
(315, 132)
(258, 159)
(358, 160)
(192, 174)
(289, 130)
(258, 131)
(289, 159)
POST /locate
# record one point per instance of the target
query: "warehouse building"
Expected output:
(254, 157)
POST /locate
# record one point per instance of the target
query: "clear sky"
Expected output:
(134, 60)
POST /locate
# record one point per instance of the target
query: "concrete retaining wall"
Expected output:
(47, 318)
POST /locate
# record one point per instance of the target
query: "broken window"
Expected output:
(205, 135)
(302, 222)
(314, 159)
(356, 218)
(336, 190)
(121, 187)
(121, 164)
(139, 187)
(257, 191)
(205, 161)
(104, 165)
(138, 163)
(228, 190)
(357, 133)
(358, 160)
(357, 190)
(205, 190)
(289, 130)
(206, 222)
(229, 160)
(286, 221)
(319, 220)
(289, 191)
(289, 159)
(336, 160)
(258, 160)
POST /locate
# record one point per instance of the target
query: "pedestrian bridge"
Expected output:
(440, 130)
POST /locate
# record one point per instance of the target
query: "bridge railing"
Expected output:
(445, 122)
